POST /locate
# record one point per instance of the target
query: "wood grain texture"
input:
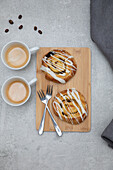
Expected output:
(81, 82)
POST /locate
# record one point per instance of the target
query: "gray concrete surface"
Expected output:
(64, 23)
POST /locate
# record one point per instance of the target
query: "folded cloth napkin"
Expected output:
(102, 26)
(107, 135)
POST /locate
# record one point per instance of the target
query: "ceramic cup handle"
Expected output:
(33, 81)
(34, 50)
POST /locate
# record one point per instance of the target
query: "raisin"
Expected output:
(62, 59)
(50, 54)
(56, 62)
(68, 100)
(63, 113)
(60, 105)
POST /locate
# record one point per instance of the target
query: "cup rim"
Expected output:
(13, 104)
(3, 61)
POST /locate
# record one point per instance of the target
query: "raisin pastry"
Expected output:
(59, 66)
(70, 105)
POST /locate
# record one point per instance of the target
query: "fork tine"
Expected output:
(42, 96)
(39, 95)
(51, 89)
(43, 93)
(47, 89)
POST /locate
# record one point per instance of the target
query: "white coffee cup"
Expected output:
(10, 80)
(11, 43)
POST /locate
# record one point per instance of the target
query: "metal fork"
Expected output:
(44, 100)
(48, 96)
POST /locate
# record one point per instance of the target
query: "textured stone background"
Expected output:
(64, 23)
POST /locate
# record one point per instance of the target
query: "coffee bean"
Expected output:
(11, 22)
(20, 27)
(35, 28)
(6, 30)
(20, 17)
(39, 31)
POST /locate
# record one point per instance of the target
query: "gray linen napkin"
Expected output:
(102, 34)
(107, 135)
(102, 26)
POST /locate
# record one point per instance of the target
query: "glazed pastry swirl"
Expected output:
(70, 105)
(59, 66)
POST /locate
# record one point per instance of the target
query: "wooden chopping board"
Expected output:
(81, 82)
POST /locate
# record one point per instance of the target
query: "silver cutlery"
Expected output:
(48, 96)
(44, 100)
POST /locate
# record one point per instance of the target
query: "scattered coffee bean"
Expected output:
(20, 17)
(11, 22)
(20, 27)
(6, 30)
(35, 28)
(39, 31)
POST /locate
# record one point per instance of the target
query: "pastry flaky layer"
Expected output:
(59, 66)
(70, 105)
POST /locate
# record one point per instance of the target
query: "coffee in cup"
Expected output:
(16, 55)
(17, 91)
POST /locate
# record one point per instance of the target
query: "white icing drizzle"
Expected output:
(75, 104)
(67, 61)
(78, 100)
(64, 107)
(59, 68)
(57, 104)
(70, 56)
(70, 95)
(57, 109)
(63, 53)
(52, 74)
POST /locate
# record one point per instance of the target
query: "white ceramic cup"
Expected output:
(8, 45)
(8, 81)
